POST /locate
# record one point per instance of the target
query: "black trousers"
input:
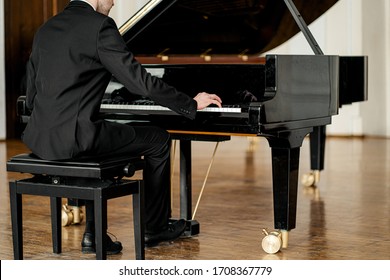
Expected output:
(153, 144)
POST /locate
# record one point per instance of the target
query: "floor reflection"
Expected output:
(317, 225)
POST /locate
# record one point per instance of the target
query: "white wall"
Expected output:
(376, 43)
(2, 75)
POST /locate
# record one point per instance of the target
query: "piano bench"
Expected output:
(96, 179)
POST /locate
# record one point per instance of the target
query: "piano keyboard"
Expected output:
(130, 107)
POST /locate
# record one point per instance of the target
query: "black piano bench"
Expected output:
(96, 179)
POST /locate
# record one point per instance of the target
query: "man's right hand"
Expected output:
(205, 99)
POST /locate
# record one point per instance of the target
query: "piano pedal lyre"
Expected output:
(311, 179)
(275, 240)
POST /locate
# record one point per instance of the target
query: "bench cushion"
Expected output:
(88, 167)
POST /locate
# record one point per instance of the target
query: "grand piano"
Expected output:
(218, 47)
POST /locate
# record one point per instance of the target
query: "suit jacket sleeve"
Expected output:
(31, 90)
(117, 58)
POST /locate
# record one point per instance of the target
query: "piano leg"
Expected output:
(285, 165)
(186, 188)
(285, 168)
(317, 156)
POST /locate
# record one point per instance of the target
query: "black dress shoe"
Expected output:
(88, 244)
(172, 232)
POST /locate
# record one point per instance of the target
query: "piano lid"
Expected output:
(215, 27)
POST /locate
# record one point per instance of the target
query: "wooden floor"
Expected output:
(346, 218)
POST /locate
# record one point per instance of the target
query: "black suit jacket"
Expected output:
(74, 56)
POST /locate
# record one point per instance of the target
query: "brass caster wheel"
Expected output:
(71, 215)
(272, 241)
(311, 179)
(275, 240)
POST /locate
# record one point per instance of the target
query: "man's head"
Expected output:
(104, 6)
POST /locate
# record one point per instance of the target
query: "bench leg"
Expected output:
(100, 208)
(55, 207)
(138, 220)
(16, 220)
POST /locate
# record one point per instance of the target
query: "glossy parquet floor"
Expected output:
(345, 218)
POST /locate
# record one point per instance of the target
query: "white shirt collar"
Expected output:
(85, 2)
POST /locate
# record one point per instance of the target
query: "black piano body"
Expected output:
(215, 46)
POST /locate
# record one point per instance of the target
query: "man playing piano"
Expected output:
(74, 56)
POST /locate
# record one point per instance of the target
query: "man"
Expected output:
(74, 56)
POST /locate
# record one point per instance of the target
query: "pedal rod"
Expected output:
(205, 180)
